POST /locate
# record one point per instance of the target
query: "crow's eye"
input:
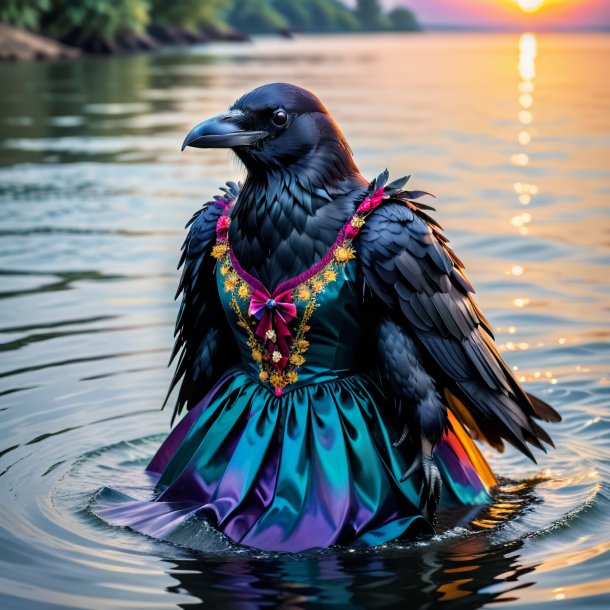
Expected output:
(279, 118)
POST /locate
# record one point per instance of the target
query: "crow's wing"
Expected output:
(410, 268)
(204, 342)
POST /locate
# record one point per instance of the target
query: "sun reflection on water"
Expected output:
(528, 51)
(525, 190)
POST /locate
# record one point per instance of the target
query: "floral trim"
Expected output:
(278, 350)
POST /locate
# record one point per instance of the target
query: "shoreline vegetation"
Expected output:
(60, 29)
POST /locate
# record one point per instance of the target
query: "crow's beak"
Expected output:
(222, 131)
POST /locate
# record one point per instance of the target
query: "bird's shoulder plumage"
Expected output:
(410, 268)
(202, 336)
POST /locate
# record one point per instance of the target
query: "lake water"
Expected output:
(512, 134)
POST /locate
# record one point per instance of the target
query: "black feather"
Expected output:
(201, 327)
(430, 301)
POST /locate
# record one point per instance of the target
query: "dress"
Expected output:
(293, 448)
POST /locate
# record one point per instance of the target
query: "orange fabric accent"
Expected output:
(462, 413)
(466, 449)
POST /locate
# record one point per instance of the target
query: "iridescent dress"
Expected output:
(293, 448)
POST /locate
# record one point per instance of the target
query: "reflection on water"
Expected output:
(510, 132)
(528, 50)
(458, 573)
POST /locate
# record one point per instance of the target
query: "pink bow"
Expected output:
(274, 312)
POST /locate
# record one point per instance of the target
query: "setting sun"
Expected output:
(529, 6)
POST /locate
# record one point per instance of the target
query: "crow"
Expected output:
(426, 338)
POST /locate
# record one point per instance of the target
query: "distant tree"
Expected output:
(103, 18)
(298, 14)
(23, 13)
(188, 13)
(370, 15)
(316, 15)
(404, 20)
(331, 16)
(257, 17)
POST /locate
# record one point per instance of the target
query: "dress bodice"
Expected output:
(329, 346)
(308, 328)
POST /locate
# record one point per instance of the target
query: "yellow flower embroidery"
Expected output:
(263, 375)
(219, 250)
(303, 293)
(231, 282)
(330, 275)
(256, 355)
(317, 286)
(225, 269)
(243, 291)
(302, 345)
(277, 381)
(292, 377)
(343, 254)
(357, 221)
(297, 359)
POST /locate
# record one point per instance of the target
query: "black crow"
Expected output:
(428, 340)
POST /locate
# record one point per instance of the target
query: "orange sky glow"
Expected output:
(506, 13)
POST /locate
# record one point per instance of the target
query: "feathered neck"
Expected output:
(284, 219)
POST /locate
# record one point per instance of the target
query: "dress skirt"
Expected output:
(314, 467)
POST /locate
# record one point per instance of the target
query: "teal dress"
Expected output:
(293, 448)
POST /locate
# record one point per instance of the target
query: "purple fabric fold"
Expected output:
(167, 450)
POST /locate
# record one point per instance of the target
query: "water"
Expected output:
(512, 133)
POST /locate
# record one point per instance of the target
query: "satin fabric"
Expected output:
(311, 468)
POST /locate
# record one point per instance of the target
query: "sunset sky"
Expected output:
(507, 13)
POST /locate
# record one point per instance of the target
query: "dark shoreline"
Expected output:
(19, 45)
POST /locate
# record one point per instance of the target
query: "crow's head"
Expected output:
(278, 127)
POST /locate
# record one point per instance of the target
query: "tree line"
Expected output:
(100, 25)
